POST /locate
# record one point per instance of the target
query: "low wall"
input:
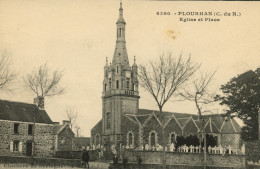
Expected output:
(156, 166)
(75, 155)
(43, 162)
(189, 159)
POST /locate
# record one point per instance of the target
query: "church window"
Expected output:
(108, 120)
(105, 87)
(127, 83)
(173, 138)
(120, 33)
(117, 69)
(110, 83)
(130, 137)
(117, 84)
(152, 139)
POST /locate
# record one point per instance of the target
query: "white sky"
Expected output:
(77, 35)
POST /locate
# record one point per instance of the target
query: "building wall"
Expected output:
(152, 126)
(97, 129)
(133, 127)
(234, 140)
(65, 139)
(44, 145)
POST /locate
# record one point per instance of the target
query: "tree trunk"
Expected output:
(163, 138)
(205, 145)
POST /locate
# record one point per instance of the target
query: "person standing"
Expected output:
(85, 158)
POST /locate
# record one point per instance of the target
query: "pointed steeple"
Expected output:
(120, 54)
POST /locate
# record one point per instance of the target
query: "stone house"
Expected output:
(81, 143)
(123, 122)
(27, 130)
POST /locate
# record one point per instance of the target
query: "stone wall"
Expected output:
(190, 159)
(156, 166)
(130, 126)
(43, 138)
(233, 140)
(152, 126)
(97, 129)
(65, 139)
(93, 154)
(41, 162)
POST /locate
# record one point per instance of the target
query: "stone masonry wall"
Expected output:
(97, 129)
(192, 159)
(152, 126)
(43, 139)
(230, 139)
(130, 126)
(65, 139)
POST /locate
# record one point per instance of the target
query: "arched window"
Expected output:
(105, 87)
(173, 138)
(110, 85)
(108, 120)
(117, 84)
(127, 83)
(152, 139)
(130, 139)
(97, 139)
(117, 69)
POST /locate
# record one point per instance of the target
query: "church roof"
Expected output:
(24, 112)
(214, 123)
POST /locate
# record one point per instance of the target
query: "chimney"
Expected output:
(64, 122)
(39, 101)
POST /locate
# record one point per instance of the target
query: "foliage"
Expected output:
(189, 140)
(242, 96)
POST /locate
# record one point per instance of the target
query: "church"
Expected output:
(123, 124)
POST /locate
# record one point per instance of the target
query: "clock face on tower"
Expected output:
(110, 75)
(128, 74)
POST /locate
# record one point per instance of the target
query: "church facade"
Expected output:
(124, 124)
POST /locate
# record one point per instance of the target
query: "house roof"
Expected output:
(82, 141)
(24, 112)
(59, 128)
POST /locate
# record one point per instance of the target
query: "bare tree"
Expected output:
(44, 83)
(199, 93)
(163, 78)
(72, 115)
(6, 75)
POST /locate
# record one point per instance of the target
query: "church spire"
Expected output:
(120, 54)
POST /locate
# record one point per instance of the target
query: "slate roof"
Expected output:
(189, 123)
(57, 129)
(82, 141)
(214, 123)
(24, 112)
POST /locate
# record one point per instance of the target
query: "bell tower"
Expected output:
(120, 86)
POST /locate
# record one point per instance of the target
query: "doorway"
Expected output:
(29, 148)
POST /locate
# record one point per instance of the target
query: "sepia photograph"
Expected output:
(126, 84)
